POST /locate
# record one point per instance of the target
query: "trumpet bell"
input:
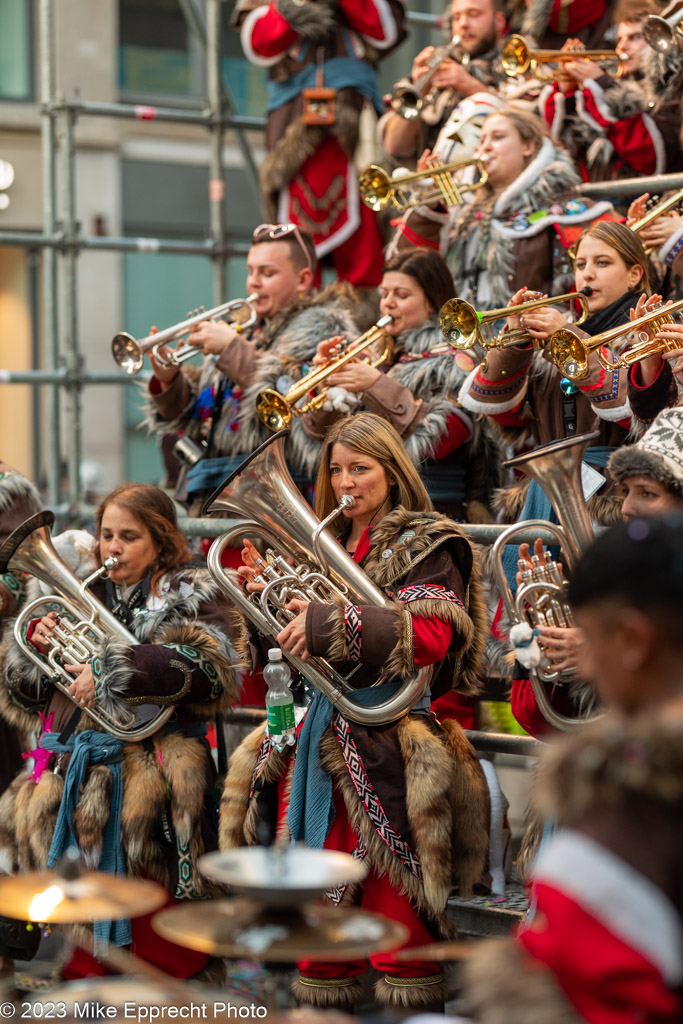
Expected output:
(406, 101)
(460, 324)
(660, 35)
(273, 410)
(515, 56)
(568, 354)
(127, 353)
(375, 187)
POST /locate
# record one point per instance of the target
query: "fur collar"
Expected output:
(427, 376)
(14, 487)
(431, 530)
(612, 761)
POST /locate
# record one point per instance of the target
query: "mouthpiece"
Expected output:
(347, 501)
(587, 291)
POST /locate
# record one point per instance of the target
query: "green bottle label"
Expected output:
(280, 718)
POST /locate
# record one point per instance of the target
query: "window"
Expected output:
(16, 65)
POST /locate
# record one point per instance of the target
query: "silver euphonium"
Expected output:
(541, 596)
(84, 622)
(266, 500)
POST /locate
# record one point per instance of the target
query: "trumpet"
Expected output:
(406, 99)
(658, 210)
(379, 189)
(570, 354)
(129, 353)
(463, 326)
(517, 58)
(275, 410)
(663, 31)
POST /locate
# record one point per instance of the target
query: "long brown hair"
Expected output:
(371, 435)
(626, 244)
(155, 510)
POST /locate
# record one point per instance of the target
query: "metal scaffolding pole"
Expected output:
(73, 359)
(50, 312)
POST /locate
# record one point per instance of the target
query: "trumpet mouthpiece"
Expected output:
(587, 291)
(347, 501)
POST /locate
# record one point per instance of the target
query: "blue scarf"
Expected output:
(311, 808)
(339, 72)
(537, 506)
(89, 748)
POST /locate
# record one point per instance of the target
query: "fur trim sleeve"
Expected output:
(192, 665)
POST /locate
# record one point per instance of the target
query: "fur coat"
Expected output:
(19, 499)
(285, 343)
(518, 251)
(616, 791)
(185, 656)
(428, 774)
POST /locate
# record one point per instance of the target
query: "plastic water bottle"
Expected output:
(279, 701)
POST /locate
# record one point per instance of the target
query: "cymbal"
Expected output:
(140, 993)
(238, 928)
(93, 896)
(282, 876)
(440, 951)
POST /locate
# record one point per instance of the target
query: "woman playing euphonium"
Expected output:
(410, 796)
(138, 808)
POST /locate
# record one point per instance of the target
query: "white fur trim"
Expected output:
(351, 224)
(614, 413)
(558, 115)
(388, 23)
(245, 39)
(462, 415)
(616, 894)
(674, 237)
(580, 102)
(589, 214)
(472, 404)
(598, 94)
(657, 142)
(527, 178)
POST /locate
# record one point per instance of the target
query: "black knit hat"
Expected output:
(658, 454)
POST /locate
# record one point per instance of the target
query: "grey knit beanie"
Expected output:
(658, 454)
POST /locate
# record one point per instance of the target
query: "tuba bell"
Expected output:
(540, 598)
(84, 622)
(263, 495)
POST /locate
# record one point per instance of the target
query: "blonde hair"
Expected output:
(625, 243)
(371, 435)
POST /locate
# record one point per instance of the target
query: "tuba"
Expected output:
(275, 410)
(540, 598)
(379, 189)
(129, 353)
(264, 496)
(84, 622)
(463, 326)
(571, 353)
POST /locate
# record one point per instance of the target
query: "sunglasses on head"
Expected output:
(276, 232)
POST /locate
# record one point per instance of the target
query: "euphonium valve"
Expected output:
(275, 409)
(303, 560)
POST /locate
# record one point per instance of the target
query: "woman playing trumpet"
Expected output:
(139, 808)
(517, 229)
(456, 456)
(409, 796)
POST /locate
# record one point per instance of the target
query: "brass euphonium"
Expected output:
(463, 326)
(571, 354)
(275, 410)
(379, 189)
(129, 353)
(541, 597)
(262, 494)
(84, 622)
(517, 58)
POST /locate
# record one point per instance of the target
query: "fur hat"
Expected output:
(658, 454)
